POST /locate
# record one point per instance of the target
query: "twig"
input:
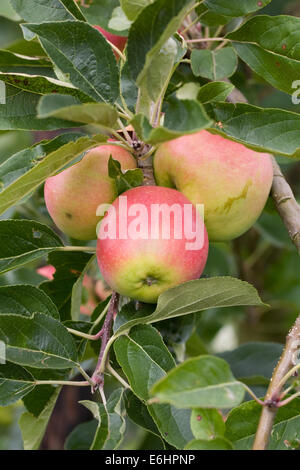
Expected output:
(272, 399)
(286, 205)
(195, 41)
(98, 377)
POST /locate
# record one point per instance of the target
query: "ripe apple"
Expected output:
(140, 260)
(73, 195)
(232, 181)
(118, 41)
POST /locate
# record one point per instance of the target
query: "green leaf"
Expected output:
(203, 382)
(124, 180)
(24, 172)
(19, 112)
(207, 424)
(138, 413)
(27, 48)
(99, 12)
(152, 28)
(82, 436)
(7, 11)
(76, 298)
(71, 109)
(270, 46)
(173, 424)
(242, 422)
(153, 85)
(263, 129)
(15, 383)
(215, 444)
(132, 8)
(235, 8)
(111, 424)
(25, 300)
(195, 296)
(47, 10)
(33, 427)
(144, 358)
(214, 65)
(43, 86)
(253, 359)
(38, 341)
(69, 267)
(216, 91)
(192, 119)
(13, 63)
(73, 46)
(22, 241)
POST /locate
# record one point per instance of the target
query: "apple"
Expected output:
(232, 181)
(118, 41)
(141, 260)
(73, 195)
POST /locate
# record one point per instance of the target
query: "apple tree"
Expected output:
(169, 102)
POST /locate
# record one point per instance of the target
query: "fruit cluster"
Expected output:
(230, 181)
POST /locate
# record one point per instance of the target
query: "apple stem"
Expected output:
(98, 376)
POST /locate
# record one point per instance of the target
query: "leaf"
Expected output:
(111, 424)
(43, 85)
(192, 119)
(73, 46)
(216, 91)
(215, 444)
(263, 129)
(70, 108)
(82, 436)
(203, 382)
(235, 8)
(47, 10)
(25, 300)
(242, 422)
(153, 85)
(28, 48)
(15, 383)
(24, 172)
(33, 428)
(19, 112)
(13, 63)
(195, 296)
(270, 46)
(214, 65)
(38, 341)
(144, 358)
(76, 298)
(99, 12)
(138, 413)
(132, 8)
(152, 28)
(69, 267)
(173, 424)
(22, 241)
(253, 359)
(207, 424)
(124, 180)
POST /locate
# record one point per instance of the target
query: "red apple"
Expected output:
(232, 181)
(73, 195)
(148, 254)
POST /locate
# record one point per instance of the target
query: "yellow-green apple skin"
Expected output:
(73, 195)
(143, 268)
(232, 181)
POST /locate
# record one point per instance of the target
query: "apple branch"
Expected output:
(272, 399)
(98, 376)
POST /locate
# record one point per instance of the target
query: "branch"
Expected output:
(98, 376)
(286, 205)
(273, 395)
